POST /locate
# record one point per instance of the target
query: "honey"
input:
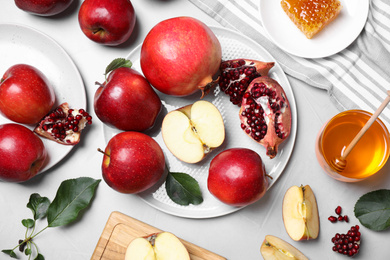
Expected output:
(370, 153)
(311, 16)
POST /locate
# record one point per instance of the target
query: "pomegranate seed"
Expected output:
(346, 219)
(338, 210)
(340, 218)
(332, 219)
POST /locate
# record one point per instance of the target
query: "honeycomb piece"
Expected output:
(311, 16)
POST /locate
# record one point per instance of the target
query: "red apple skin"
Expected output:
(22, 153)
(26, 95)
(133, 162)
(43, 7)
(127, 101)
(106, 21)
(237, 177)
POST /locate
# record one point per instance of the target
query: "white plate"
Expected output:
(336, 36)
(234, 46)
(21, 44)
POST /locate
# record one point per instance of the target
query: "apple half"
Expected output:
(300, 213)
(274, 248)
(161, 246)
(191, 132)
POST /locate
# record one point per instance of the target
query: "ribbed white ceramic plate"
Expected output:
(335, 37)
(21, 44)
(234, 46)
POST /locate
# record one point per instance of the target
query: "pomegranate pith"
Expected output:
(64, 125)
(265, 114)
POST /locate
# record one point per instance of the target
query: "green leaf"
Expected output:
(38, 205)
(28, 223)
(373, 210)
(10, 252)
(183, 189)
(39, 257)
(116, 64)
(72, 196)
(27, 251)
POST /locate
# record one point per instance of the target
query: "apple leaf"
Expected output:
(28, 223)
(39, 257)
(373, 210)
(72, 196)
(10, 252)
(116, 64)
(38, 205)
(183, 189)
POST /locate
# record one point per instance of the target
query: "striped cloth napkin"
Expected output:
(355, 78)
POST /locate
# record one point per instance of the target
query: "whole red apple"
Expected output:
(237, 177)
(43, 7)
(26, 95)
(127, 101)
(180, 56)
(107, 22)
(133, 162)
(22, 153)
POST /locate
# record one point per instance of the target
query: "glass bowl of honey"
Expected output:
(368, 156)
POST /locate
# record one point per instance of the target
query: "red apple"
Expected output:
(127, 101)
(133, 162)
(26, 95)
(43, 7)
(22, 153)
(107, 22)
(237, 177)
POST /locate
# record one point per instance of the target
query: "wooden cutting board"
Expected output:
(121, 229)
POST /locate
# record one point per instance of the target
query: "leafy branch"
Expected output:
(72, 196)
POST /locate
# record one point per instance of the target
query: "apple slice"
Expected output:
(161, 246)
(191, 132)
(274, 248)
(300, 213)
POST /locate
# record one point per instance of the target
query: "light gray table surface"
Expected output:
(235, 236)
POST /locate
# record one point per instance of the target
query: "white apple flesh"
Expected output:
(191, 132)
(160, 246)
(300, 213)
(274, 248)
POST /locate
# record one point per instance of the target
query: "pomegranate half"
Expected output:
(237, 74)
(265, 114)
(181, 55)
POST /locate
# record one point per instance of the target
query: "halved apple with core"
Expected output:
(161, 246)
(274, 248)
(300, 213)
(191, 132)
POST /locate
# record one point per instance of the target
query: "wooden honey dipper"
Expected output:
(340, 163)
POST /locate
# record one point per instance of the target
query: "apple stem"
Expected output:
(100, 150)
(99, 84)
(269, 176)
(97, 30)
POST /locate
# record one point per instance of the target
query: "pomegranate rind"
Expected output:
(282, 120)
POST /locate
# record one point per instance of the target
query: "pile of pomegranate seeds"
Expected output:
(347, 244)
(340, 217)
